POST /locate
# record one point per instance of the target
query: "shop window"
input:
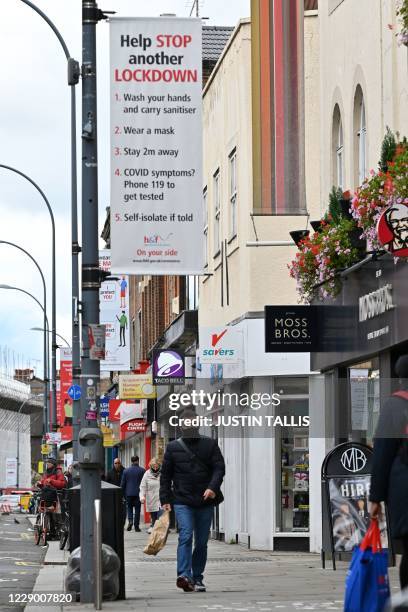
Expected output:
(293, 450)
(292, 386)
(364, 386)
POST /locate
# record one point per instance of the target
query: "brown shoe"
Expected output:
(185, 583)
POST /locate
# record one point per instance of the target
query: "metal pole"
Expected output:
(45, 343)
(98, 555)
(90, 477)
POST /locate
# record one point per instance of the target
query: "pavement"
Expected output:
(237, 579)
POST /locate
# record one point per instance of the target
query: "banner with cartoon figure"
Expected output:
(114, 314)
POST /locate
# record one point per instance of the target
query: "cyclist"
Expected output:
(52, 481)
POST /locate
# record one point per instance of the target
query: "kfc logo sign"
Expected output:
(392, 229)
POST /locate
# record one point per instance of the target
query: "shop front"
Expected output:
(369, 317)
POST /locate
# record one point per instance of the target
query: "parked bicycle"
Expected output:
(50, 521)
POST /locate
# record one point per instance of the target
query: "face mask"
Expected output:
(155, 470)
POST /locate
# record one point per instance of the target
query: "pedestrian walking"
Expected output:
(191, 476)
(114, 476)
(130, 483)
(389, 480)
(150, 491)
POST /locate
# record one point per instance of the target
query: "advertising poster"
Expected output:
(156, 145)
(114, 314)
(349, 498)
(64, 403)
(136, 386)
(11, 472)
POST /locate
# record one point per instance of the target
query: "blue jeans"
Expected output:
(191, 521)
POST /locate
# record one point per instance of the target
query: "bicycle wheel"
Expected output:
(45, 529)
(37, 530)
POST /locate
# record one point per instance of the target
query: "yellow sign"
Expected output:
(136, 386)
(45, 449)
(41, 467)
(108, 436)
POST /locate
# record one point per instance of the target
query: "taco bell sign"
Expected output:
(168, 367)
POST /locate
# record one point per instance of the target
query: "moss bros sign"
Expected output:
(304, 329)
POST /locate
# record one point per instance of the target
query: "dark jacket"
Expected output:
(389, 480)
(131, 479)
(114, 476)
(183, 480)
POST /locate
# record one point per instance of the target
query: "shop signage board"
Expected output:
(220, 345)
(53, 437)
(114, 314)
(373, 304)
(168, 367)
(346, 478)
(96, 337)
(304, 329)
(136, 386)
(156, 145)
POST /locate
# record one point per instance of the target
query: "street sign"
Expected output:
(74, 392)
(104, 407)
(45, 449)
(54, 437)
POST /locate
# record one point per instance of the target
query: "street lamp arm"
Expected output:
(37, 187)
(31, 296)
(32, 259)
(52, 26)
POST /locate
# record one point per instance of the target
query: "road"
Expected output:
(20, 559)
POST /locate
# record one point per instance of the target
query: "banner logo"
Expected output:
(168, 368)
(353, 460)
(392, 229)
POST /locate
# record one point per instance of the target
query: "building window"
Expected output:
(205, 217)
(233, 193)
(338, 149)
(217, 213)
(360, 139)
(361, 134)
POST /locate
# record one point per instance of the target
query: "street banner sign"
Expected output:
(64, 404)
(53, 437)
(136, 386)
(114, 313)
(96, 336)
(45, 449)
(125, 410)
(156, 145)
(104, 407)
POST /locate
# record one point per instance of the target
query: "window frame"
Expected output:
(205, 230)
(233, 194)
(217, 211)
(362, 144)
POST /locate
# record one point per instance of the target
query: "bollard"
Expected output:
(98, 555)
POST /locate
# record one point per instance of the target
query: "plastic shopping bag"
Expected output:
(158, 537)
(367, 586)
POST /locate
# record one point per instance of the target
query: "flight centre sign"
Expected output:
(156, 146)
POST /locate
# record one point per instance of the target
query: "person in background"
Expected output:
(68, 477)
(150, 491)
(52, 481)
(192, 473)
(130, 483)
(114, 476)
(389, 479)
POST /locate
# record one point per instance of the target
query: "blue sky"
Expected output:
(34, 137)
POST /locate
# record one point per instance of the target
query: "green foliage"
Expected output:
(388, 149)
(335, 196)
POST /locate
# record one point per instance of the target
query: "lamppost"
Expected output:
(41, 329)
(46, 377)
(54, 299)
(45, 333)
(74, 72)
